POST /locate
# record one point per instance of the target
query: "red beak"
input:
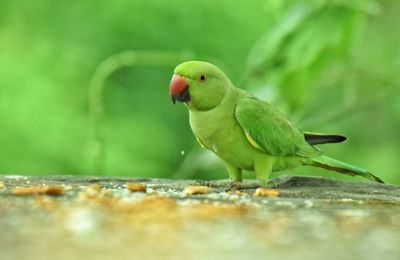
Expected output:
(178, 89)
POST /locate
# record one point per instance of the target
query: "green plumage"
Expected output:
(270, 129)
(247, 133)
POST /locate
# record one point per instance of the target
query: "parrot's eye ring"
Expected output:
(202, 78)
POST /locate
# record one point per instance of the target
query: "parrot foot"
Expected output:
(263, 182)
(232, 186)
(236, 185)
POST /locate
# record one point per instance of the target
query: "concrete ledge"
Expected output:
(69, 217)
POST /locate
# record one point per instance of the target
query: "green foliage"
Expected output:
(330, 65)
(308, 39)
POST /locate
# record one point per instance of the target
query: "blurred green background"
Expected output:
(84, 84)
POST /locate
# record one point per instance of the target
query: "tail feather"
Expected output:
(316, 138)
(345, 168)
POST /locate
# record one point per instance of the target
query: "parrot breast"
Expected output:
(219, 132)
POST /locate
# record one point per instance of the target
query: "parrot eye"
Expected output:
(202, 78)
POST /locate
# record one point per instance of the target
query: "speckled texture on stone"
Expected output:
(99, 218)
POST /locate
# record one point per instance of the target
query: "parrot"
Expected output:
(245, 132)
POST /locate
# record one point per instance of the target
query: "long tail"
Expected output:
(345, 168)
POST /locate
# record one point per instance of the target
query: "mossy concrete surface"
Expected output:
(69, 217)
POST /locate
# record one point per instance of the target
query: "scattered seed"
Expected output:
(192, 190)
(49, 190)
(236, 192)
(264, 192)
(135, 187)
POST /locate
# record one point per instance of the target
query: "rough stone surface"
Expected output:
(99, 218)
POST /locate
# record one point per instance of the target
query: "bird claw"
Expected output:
(236, 185)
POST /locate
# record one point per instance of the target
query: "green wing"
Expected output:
(270, 131)
(200, 142)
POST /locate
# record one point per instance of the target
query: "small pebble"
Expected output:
(67, 188)
(93, 190)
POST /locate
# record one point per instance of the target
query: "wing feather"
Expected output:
(270, 131)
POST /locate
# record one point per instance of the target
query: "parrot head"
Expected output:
(200, 85)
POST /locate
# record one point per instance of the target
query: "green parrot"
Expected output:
(245, 132)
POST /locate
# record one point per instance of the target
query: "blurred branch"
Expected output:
(110, 65)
